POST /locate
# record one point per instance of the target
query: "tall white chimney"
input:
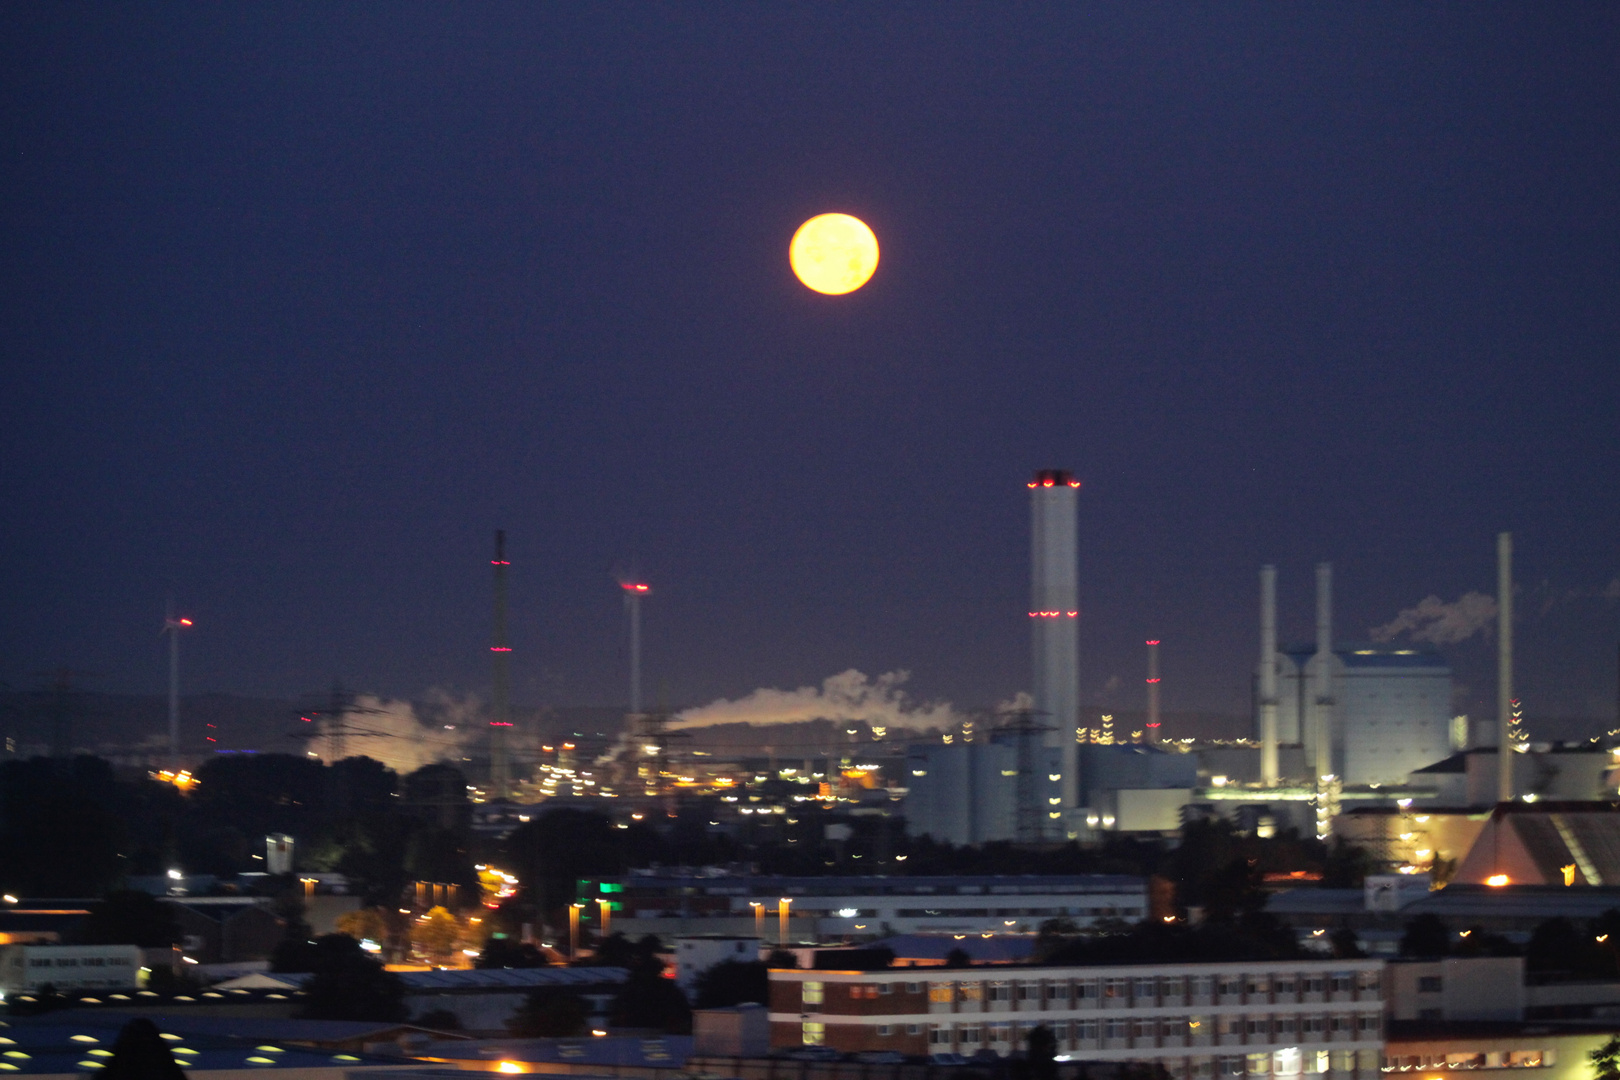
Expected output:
(1153, 692)
(1321, 674)
(1268, 675)
(1504, 666)
(1055, 617)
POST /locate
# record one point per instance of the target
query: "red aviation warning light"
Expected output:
(636, 587)
(1051, 478)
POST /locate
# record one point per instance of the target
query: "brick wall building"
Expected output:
(1196, 1020)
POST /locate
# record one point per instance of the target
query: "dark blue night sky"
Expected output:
(302, 301)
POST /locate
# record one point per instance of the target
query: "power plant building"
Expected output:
(1362, 713)
(1390, 708)
(967, 792)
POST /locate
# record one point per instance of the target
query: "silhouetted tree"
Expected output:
(1555, 945)
(549, 1016)
(732, 982)
(1345, 944)
(1426, 936)
(141, 1054)
(347, 984)
(1475, 941)
(1606, 1059)
(503, 952)
(130, 918)
(439, 1020)
(62, 828)
(1041, 1053)
(648, 1000)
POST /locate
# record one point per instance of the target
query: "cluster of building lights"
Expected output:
(181, 779)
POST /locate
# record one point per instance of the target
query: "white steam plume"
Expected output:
(1444, 624)
(849, 695)
(393, 733)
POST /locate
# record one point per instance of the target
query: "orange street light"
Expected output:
(605, 908)
(782, 921)
(759, 918)
(573, 930)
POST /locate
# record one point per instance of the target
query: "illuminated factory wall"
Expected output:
(966, 793)
(1055, 618)
(1391, 712)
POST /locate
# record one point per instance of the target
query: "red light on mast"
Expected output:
(1153, 643)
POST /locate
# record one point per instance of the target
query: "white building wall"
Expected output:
(1391, 712)
(25, 968)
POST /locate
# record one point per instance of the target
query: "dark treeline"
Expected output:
(79, 828)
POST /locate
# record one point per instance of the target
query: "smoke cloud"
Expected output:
(849, 695)
(1436, 621)
(402, 738)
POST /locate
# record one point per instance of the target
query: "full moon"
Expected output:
(834, 253)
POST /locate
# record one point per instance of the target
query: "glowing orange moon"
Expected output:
(834, 253)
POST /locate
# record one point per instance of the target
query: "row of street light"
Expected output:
(606, 909)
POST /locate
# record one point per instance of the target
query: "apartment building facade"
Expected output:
(1261, 1019)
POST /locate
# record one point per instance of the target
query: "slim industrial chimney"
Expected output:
(500, 724)
(1268, 675)
(1504, 666)
(1322, 675)
(1055, 617)
(633, 592)
(1153, 693)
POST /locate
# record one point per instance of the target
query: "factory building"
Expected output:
(967, 792)
(1391, 708)
(1363, 713)
(783, 910)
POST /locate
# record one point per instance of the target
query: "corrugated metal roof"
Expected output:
(516, 978)
(32, 1048)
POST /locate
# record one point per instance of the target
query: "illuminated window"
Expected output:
(815, 1033)
(814, 993)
